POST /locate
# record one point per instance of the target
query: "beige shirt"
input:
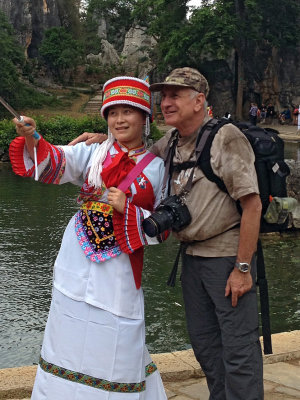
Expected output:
(213, 211)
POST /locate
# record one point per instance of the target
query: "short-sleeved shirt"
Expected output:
(215, 218)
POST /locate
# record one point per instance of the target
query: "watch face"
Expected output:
(243, 267)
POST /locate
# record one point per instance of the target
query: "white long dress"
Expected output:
(94, 342)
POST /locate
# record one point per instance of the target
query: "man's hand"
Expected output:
(89, 138)
(117, 199)
(238, 284)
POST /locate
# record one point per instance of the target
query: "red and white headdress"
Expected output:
(126, 90)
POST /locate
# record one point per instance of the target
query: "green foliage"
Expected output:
(63, 129)
(60, 51)
(216, 27)
(163, 19)
(118, 17)
(280, 25)
(68, 11)
(57, 130)
(155, 133)
(7, 133)
(26, 98)
(11, 57)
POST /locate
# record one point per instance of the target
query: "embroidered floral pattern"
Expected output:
(94, 230)
(150, 368)
(96, 383)
(124, 90)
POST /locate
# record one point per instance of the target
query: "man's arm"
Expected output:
(238, 282)
(89, 138)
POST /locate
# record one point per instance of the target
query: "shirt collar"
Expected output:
(137, 151)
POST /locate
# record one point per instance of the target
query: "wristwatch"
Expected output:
(243, 266)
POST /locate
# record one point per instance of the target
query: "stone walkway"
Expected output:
(183, 377)
(286, 132)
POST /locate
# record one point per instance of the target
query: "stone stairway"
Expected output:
(94, 104)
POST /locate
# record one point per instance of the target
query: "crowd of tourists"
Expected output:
(266, 114)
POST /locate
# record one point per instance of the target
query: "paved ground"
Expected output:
(183, 377)
(287, 132)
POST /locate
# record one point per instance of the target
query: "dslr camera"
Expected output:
(172, 213)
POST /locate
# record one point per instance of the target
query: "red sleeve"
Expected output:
(16, 155)
(128, 228)
(52, 156)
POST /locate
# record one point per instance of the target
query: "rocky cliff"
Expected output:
(272, 76)
(30, 18)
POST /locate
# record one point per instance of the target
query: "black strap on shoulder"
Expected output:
(213, 127)
(264, 299)
(168, 157)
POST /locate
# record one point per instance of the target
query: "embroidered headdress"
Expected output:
(120, 90)
(126, 90)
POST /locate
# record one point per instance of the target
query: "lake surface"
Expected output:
(32, 220)
(292, 150)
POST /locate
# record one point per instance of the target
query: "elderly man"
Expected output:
(218, 274)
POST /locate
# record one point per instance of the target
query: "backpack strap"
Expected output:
(168, 157)
(204, 164)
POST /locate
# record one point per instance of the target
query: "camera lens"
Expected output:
(150, 227)
(158, 222)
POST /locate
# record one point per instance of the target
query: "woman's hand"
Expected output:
(117, 199)
(26, 128)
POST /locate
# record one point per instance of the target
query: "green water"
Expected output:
(32, 220)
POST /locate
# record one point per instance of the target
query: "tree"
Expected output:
(162, 18)
(69, 14)
(219, 27)
(60, 51)
(11, 58)
(118, 17)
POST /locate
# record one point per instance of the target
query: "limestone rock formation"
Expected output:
(136, 50)
(107, 57)
(102, 31)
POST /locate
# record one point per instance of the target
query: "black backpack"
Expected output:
(270, 166)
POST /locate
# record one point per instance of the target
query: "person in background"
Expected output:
(219, 267)
(270, 113)
(295, 115)
(253, 113)
(263, 113)
(94, 341)
(285, 116)
(210, 111)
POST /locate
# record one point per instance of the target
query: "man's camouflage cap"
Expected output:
(185, 77)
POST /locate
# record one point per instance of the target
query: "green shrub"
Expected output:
(7, 133)
(155, 133)
(56, 130)
(63, 129)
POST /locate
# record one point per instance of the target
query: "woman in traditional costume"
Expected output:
(94, 342)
